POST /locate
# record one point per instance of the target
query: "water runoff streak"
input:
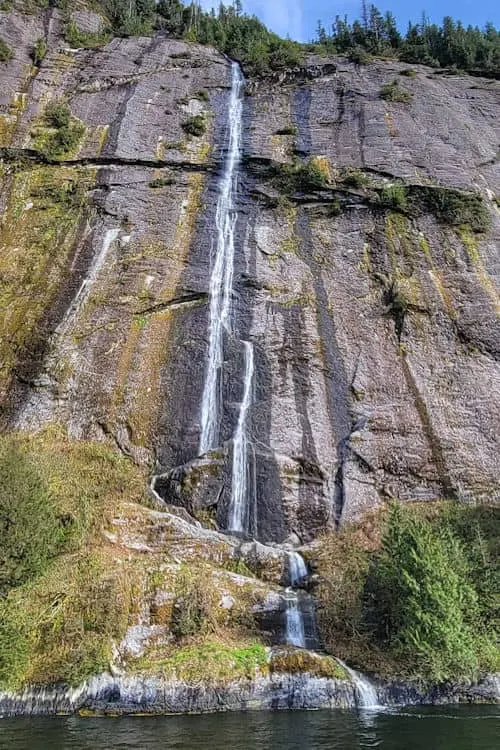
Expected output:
(221, 297)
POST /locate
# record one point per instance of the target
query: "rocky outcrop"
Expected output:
(109, 694)
(374, 327)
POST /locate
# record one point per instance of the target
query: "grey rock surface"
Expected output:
(345, 414)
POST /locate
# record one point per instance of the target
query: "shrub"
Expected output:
(57, 114)
(5, 51)
(67, 131)
(30, 530)
(394, 92)
(160, 182)
(203, 95)
(394, 197)
(419, 600)
(192, 611)
(454, 207)
(358, 55)
(289, 130)
(408, 72)
(299, 176)
(84, 39)
(195, 126)
(355, 178)
(39, 51)
(397, 303)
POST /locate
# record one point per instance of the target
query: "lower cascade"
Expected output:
(366, 695)
(239, 509)
(294, 623)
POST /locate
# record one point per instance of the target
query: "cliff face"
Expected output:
(106, 256)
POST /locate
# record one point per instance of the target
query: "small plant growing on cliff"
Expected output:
(394, 92)
(396, 302)
(5, 51)
(160, 182)
(358, 55)
(191, 613)
(299, 176)
(355, 178)
(39, 51)
(84, 39)
(394, 197)
(289, 130)
(66, 133)
(454, 207)
(408, 73)
(195, 126)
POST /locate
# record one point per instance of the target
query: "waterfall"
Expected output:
(294, 633)
(366, 695)
(221, 280)
(297, 569)
(238, 519)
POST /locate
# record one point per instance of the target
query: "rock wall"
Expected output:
(105, 328)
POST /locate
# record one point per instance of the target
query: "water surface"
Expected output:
(443, 728)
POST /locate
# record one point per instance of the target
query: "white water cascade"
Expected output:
(221, 296)
(238, 510)
(294, 619)
(221, 280)
(366, 695)
(297, 569)
(294, 631)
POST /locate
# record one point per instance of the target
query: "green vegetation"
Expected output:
(449, 45)
(408, 73)
(296, 661)
(289, 130)
(394, 92)
(211, 662)
(396, 302)
(30, 529)
(64, 134)
(203, 95)
(39, 51)
(160, 182)
(85, 39)
(419, 600)
(195, 126)
(355, 178)
(5, 51)
(299, 176)
(454, 207)
(63, 598)
(394, 197)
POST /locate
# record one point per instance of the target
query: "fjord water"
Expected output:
(439, 728)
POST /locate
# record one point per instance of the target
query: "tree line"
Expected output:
(245, 38)
(449, 45)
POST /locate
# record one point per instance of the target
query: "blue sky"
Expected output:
(299, 18)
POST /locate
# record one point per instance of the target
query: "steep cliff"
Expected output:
(366, 272)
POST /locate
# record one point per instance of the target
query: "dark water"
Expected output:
(464, 728)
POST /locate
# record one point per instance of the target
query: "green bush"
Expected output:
(299, 176)
(31, 532)
(394, 197)
(394, 92)
(396, 302)
(358, 55)
(289, 130)
(14, 648)
(160, 182)
(84, 39)
(420, 601)
(67, 131)
(39, 51)
(355, 178)
(408, 72)
(5, 51)
(195, 126)
(454, 207)
(192, 610)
